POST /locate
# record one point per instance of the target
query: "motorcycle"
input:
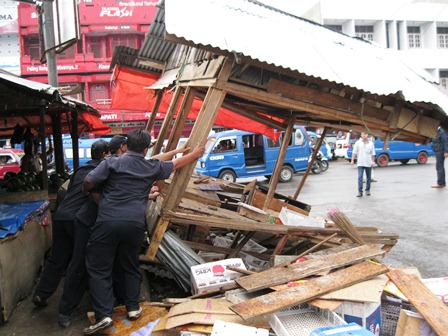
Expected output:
(320, 164)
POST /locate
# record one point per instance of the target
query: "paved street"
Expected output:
(402, 202)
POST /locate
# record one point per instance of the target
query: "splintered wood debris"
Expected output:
(286, 265)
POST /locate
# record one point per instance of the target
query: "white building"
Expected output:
(417, 29)
(9, 38)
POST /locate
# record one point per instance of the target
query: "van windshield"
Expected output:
(209, 144)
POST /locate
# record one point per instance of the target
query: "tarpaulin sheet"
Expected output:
(130, 94)
(13, 216)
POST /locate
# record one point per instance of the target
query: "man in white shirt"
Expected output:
(364, 152)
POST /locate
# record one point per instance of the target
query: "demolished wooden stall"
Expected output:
(218, 204)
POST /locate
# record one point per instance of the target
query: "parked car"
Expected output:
(10, 161)
(235, 154)
(343, 143)
(402, 151)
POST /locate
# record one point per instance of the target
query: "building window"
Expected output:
(337, 28)
(442, 37)
(32, 46)
(68, 53)
(99, 93)
(364, 32)
(414, 37)
(95, 46)
(443, 75)
(122, 40)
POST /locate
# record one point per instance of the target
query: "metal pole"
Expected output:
(50, 54)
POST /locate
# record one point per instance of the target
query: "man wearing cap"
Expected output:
(120, 226)
(117, 145)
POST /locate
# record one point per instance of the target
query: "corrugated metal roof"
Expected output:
(262, 33)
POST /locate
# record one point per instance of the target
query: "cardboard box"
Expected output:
(353, 329)
(439, 286)
(212, 276)
(366, 314)
(412, 324)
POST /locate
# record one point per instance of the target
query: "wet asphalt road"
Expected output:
(402, 202)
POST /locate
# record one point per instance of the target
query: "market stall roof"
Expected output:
(24, 100)
(284, 65)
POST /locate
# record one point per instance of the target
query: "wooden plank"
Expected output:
(278, 276)
(427, 304)
(309, 290)
(156, 238)
(259, 198)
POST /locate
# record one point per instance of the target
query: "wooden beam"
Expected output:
(155, 109)
(322, 98)
(310, 164)
(156, 238)
(181, 118)
(311, 289)
(167, 122)
(278, 276)
(427, 304)
(307, 106)
(286, 139)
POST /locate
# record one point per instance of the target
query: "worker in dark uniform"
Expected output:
(63, 231)
(120, 228)
(76, 279)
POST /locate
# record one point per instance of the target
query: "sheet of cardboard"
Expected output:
(366, 291)
(207, 306)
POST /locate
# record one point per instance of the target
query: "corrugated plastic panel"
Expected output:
(286, 41)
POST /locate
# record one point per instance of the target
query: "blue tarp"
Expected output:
(14, 215)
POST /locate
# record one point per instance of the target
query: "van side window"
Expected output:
(274, 144)
(69, 153)
(299, 138)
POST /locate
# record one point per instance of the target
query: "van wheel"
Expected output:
(382, 160)
(227, 175)
(404, 161)
(422, 158)
(286, 174)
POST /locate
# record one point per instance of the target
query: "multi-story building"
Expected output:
(84, 68)
(417, 29)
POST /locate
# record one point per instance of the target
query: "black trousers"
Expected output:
(76, 280)
(120, 239)
(56, 264)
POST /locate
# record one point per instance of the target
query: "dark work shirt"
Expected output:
(127, 180)
(74, 199)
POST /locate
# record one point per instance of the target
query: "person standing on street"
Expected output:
(364, 153)
(440, 148)
(120, 227)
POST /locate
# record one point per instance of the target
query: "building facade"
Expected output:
(416, 29)
(84, 68)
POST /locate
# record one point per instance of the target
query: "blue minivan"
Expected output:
(84, 150)
(236, 154)
(402, 151)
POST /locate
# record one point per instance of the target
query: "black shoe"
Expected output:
(373, 180)
(64, 320)
(39, 302)
(105, 323)
(368, 192)
(359, 194)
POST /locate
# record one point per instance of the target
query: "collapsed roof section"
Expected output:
(286, 67)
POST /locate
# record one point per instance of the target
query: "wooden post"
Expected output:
(310, 164)
(155, 109)
(199, 134)
(167, 122)
(279, 164)
(181, 118)
(42, 137)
